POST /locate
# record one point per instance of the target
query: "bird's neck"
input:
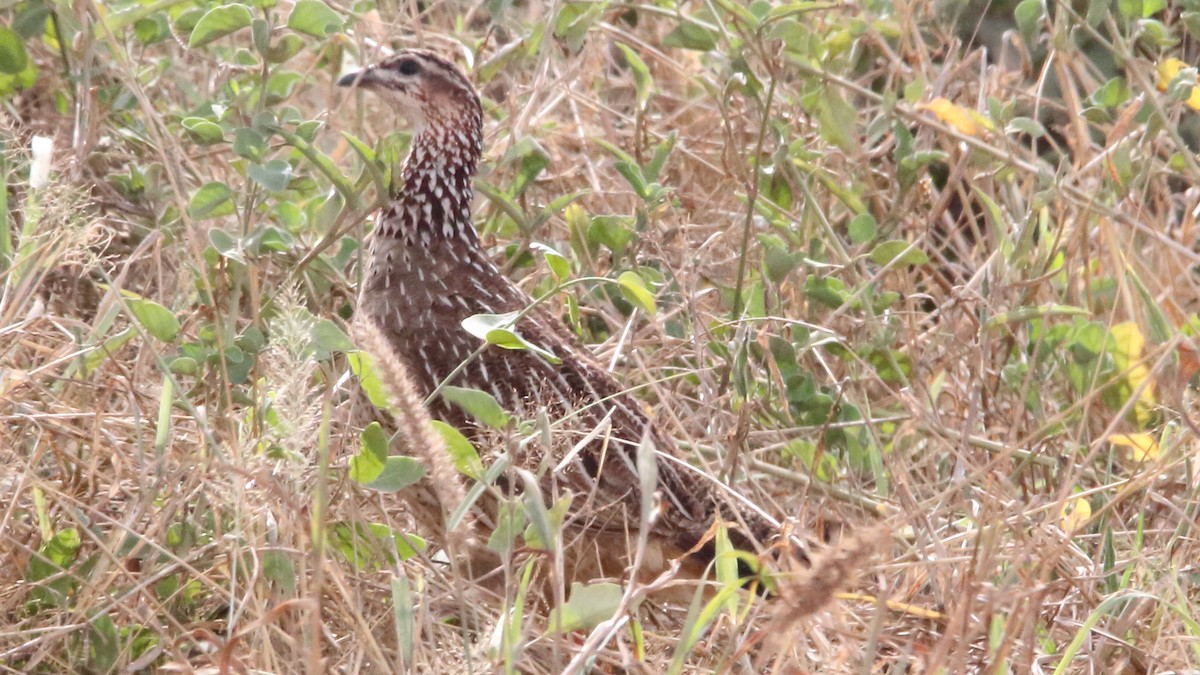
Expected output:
(435, 204)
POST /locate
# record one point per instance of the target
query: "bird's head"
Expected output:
(424, 87)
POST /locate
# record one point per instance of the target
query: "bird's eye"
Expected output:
(409, 67)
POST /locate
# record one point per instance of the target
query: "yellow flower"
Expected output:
(963, 120)
(1075, 512)
(1127, 356)
(1142, 447)
(1168, 69)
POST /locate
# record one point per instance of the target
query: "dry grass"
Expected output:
(157, 513)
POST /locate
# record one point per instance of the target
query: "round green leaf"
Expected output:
(211, 201)
(249, 143)
(13, 58)
(156, 319)
(899, 252)
(273, 176)
(284, 48)
(365, 466)
(375, 442)
(862, 228)
(314, 18)
(466, 458)
(184, 365)
(398, 473)
(205, 132)
(18, 81)
(362, 365)
(688, 35)
(326, 335)
(152, 30)
(478, 404)
(497, 329)
(219, 22)
(224, 244)
(559, 265)
(589, 606)
(368, 464)
(636, 292)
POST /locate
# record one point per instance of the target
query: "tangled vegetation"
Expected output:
(928, 267)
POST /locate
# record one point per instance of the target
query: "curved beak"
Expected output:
(362, 78)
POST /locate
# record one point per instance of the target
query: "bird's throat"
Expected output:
(435, 202)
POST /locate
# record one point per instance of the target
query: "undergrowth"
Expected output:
(929, 266)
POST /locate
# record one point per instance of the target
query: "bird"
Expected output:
(426, 271)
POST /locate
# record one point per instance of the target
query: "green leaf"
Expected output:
(211, 201)
(476, 491)
(156, 319)
(284, 48)
(1097, 11)
(727, 567)
(510, 521)
(205, 132)
(404, 609)
(18, 81)
(375, 441)
(219, 22)
(362, 365)
(541, 531)
(532, 159)
(31, 21)
(13, 58)
(184, 365)
(560, 203)
(225, 245)
(632, 173)
(862, 228)
(1131, 9)
(635, 291)
(573, 21)
(898, 252)
(504, 201)
(497, 329)
(249, 143)
(643, 84)
(1029, 15)
(779, 262)
(407, 545)
(478, 404)
(589, 606)
(699, 619)
(103, 644)
(1116, 92)
(278, 568)
(398, 473)
(371, 161)
(273, 176)
(837, 120)
(689, 35)
(1025, 125)
(371, 458)
(100, 353)
(558, 264)
(617, 153)
(326, 335)
(314, 18)
(611, 231)
(661, 152)
(828, 291)
(325, 165)
(466, 458)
